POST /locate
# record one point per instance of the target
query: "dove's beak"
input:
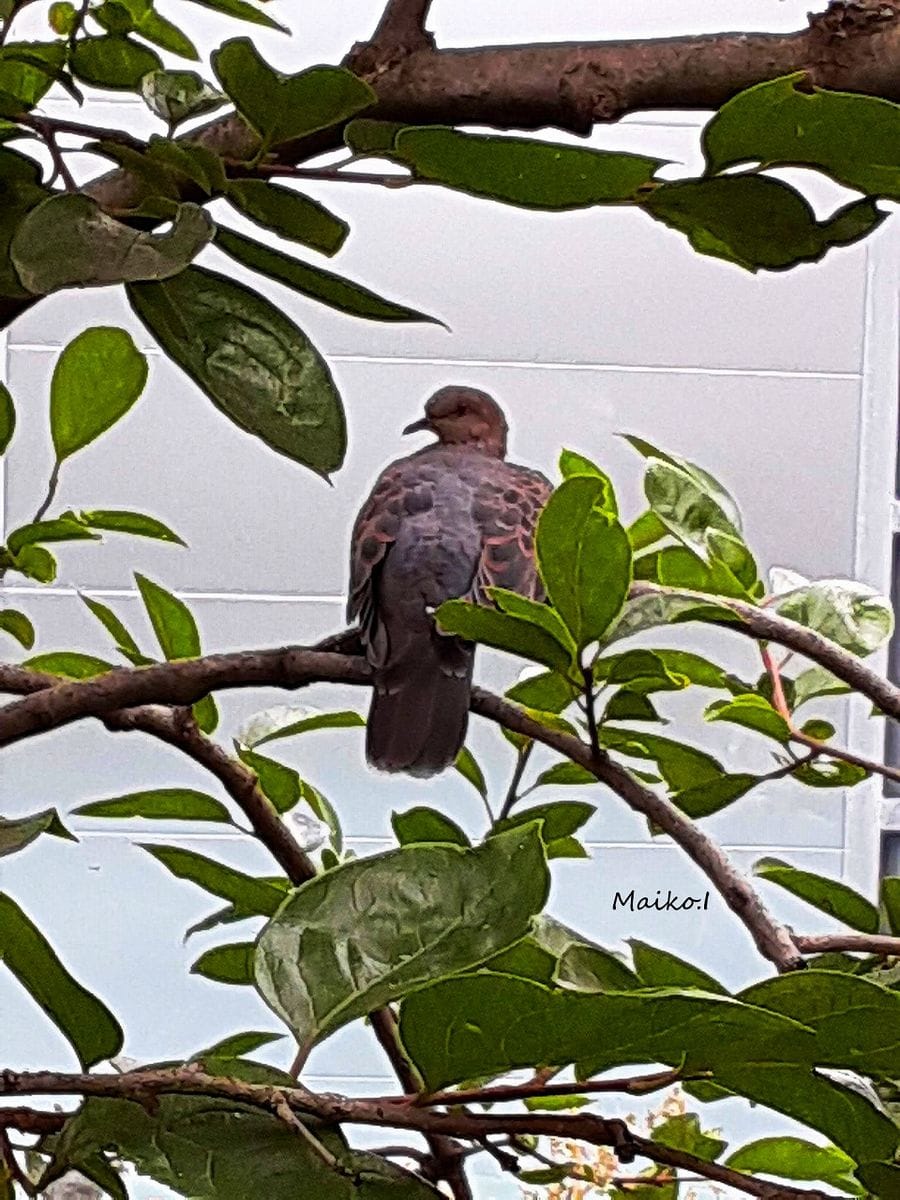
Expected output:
(418, 426)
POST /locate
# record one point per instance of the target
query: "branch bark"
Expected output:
(397, 1114)
(865, 943)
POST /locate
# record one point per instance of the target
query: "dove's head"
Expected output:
(464, 416)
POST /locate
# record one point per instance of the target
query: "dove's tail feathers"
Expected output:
(417, 722)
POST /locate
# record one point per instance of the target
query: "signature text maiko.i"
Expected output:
(671, 903)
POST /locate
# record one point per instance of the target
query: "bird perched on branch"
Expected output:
(449, 521)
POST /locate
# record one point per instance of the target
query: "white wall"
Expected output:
(582, 325)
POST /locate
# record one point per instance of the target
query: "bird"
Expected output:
(449, 521)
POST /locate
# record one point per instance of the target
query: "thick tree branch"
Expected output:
(398, 1114)
(402, 26)
(864, 943)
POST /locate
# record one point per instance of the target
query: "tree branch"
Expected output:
(397, 1114)
(866, 943)
(402, 26)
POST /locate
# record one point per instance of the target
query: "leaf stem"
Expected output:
(512, 793)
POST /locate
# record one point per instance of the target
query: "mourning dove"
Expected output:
(451, 520)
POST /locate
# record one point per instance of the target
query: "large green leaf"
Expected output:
(377, 929)
(98, 377)
(178, 637)
(113, 61)
(828, 895)
(651, 610)
(7, 418)
(794, 1158)
(60, 529)
(661, 968)
(121, 521)
(159, 804)
(139, 16)
(281, 107)
(659, 669)
(852, 614)
(584, 557)
(18, 833)
(790, 121)
(504, 631)
(86, 1022)
(755, 221)
(243, 11)
(522, 171)
(315, 282)
(27, 71)
(681, 766)
(231, 964)
(752, 712)
(250, 360)
(69, 241)
(69, 664)
(420, 824)
(289, 214)
(704, 799)
(274, 724)
(250, 896)
(177, 95)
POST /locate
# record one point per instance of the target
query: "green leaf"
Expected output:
(159, 804)
(326, 287)
(680, 765)
(92, 249)
(69, 664)
(584, 558)
(172, 620)
(34, 562)
(659, 670)
(27, 71)
(660, 968)
(61, 529)
(560, 821)
(566, 774)
(283, 107)
(190, 160)
(701, 477)
(533, 611)
(790, 121)
(61, 15)
(547, 691)
(345, 719)
(128, 16)
(794, 1158)
(646, 531)
(572, 463)
(552, 1104)
(830, 773)
(514, 634)
(17, 625)
(121, 521)
(250, 360)
(755, 221)
(680, 567)
(280, 783)
(890, 900)
(17, 834)
(7, 418)
(243, 11)
(289, 214)
(227, 964)
(522, 171)
(881, 1178)
(113, 61)
(753, 712)
(400, 919)
(250, 896)
(587, 968)
(687, 507)
(238, 1045)
(709, 797)
(828, 895)
(365, 136)
(683, 1132)
(651, 610)
(815, 682)
(324, 810)
(125, 643)
(85, 1021)
(98, 377)
(849, 613)
(418, 825)
(467, 765)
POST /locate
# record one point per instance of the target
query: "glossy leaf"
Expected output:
(280, 783)
(243, 11)
(584, 558)
(704, 799)
(289, 214)
(681, 766)
(753, 712)
(400, 919)
(795, 1158)
(60, 529)
(826, 773)
(159, 804)
(251, 361)
(69, 664)
(418, 825)
(661, 968)
(548, 691)
(85, 1021)
(566, 774)
(7, 418)
(514, 634)
(345, 719)
(684, 1132)
(125, 643)
(583, 967)
(113, 61)
(178, 637)
(253, 897)
(34, 562)
(790, 121)
(175, 96)
(69, 241)
(852, 614)
(572, 463)
(815, 682)
(281, 107)
(366, 136)
(121, 521)
(98, 377)
(701, 477)
(756, 222)
(522, 171)
(16, 834)
(828, 895)
(227, 964)
(659, 669)
(17, 625)
(237, 1045)
(651, 610)
(467, 766)
(315, 282)
(560, 821)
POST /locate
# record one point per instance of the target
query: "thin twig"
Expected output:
(333, 175)
(864, 943)
(512, 792)
(636, 1085)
